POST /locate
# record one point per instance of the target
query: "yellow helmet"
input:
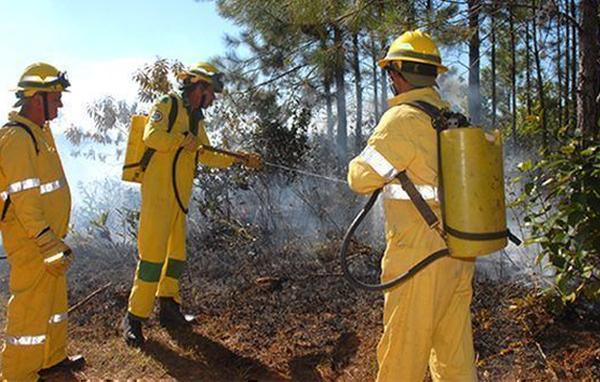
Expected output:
(202, 71)
(41, 77)
(414, 47)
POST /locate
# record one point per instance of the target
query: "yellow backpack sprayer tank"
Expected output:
(473, 177)
(470, 190)
(137, 155)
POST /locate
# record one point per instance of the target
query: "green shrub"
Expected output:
(561, 199)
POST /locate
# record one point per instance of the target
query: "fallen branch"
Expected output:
(89, 297)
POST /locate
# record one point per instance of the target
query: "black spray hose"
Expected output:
(400, 279)
(174, 181)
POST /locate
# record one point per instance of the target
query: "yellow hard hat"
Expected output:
(41, 77)
(202, 71)
(415, 47)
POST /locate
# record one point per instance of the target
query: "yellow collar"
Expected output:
(428, 94)
(13, 116)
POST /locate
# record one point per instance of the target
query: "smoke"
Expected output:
(454, 89)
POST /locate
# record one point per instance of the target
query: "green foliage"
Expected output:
(280, 140)
(154, 78)
(562, 205)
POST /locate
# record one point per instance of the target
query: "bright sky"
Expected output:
(100, 44)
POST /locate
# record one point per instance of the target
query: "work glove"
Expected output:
(57, 258)
(57, 265)
(191, 143)
(252, 160)
(49, 244)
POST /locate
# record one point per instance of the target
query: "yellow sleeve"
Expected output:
(19, 165)
(155, 132)
(388, 151)
(209, 158)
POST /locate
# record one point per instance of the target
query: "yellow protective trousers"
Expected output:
(35, 197)
(427, 318)
(161, 245)
(162, 229)
(36, 330)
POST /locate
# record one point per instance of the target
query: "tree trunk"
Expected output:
(588, 92)
(375, 79)
(558, 70)
(329, 108)
(340, 90)
(513, 81)
(540, 83)
(383, 79)
(567, 88)
(358, 90)
(527, 67)
(327, 88)
(493, 62)
(574, 62)
(384, 88)
(474, 86)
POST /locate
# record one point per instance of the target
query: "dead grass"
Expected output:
(288, 315)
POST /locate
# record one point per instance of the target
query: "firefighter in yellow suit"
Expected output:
(36, 204)
(166, 190)
(426, 319)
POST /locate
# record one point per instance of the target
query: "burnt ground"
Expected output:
(288, 315)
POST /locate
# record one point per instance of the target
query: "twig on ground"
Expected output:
(89, 297)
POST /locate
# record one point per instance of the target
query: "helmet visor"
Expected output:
(217, 80)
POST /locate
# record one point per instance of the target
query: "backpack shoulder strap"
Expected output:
(149, 153)
(27, 129)
(407, 184)
(173, 112)
(29, 132)
(432, 111)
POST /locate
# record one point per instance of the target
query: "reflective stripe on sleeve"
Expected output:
(25, 340)
(23, 185)
(51, 186)
(56, 318)
(378, 162)
(32, 183)
(396, 192)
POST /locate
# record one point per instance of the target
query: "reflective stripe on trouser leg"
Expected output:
(28, 311)
(175, 264)
(415, 311)
(145, 284)
(156, 220)
(56, 345)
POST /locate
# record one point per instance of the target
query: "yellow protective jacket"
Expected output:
(32, 181)
(403, 140)
(159, 173)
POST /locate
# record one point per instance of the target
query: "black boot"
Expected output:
(170, 315)
(132, 331)
(71, 363)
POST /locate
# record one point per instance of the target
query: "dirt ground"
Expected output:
(300, 321)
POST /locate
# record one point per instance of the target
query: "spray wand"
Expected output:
(274, 165)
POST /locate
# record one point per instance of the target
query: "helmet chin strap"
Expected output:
(391, 85)
(45, 104)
